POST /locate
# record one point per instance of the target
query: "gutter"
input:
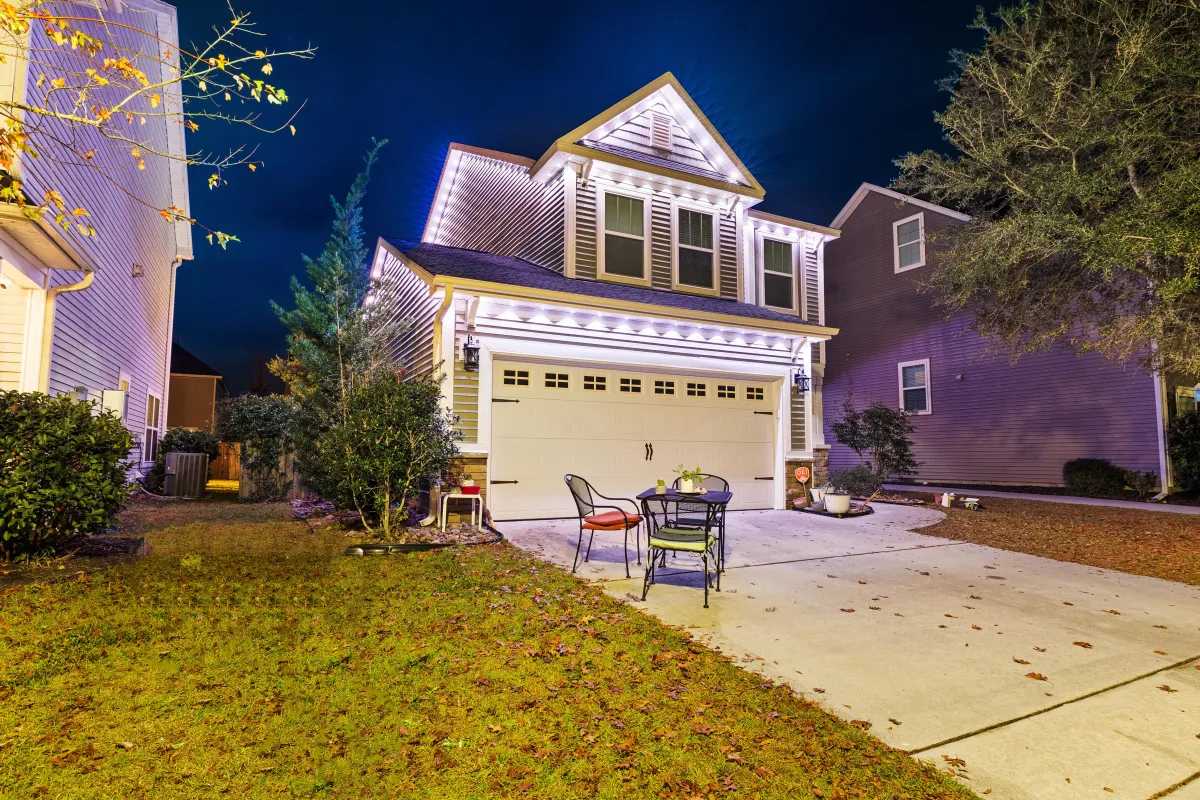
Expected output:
(447, 301)
(48, 324)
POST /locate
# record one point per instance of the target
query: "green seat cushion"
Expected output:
(681, 539)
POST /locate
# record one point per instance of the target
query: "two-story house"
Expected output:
(92, 316)
(615, 308)
(978, 419)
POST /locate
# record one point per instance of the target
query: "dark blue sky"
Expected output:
(814, 97)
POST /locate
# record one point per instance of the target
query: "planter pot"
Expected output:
(468, 483)
(469, 489)
(818, 497)
(685, 486)
(837, 503)
(660, 489)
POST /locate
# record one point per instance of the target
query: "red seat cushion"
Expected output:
(610, 521)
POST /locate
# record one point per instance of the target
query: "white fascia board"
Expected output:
(862, 191)
(651, 181)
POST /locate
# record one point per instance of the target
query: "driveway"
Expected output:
(1032, 678)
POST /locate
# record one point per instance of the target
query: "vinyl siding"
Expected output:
(495, 207)
(991, 422)
(14, 310)
(799, 439)
(466, 402)
(635, 135)
(405, 298)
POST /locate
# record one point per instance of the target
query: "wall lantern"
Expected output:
(471, 355)
(801, 381)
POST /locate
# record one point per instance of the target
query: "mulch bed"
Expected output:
(321, 515)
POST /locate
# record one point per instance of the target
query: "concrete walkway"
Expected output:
(933, 643)
(1048, 498)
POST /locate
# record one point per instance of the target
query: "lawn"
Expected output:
(246, 657)
(1154, 543)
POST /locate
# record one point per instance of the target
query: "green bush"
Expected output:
(180, 440)
(62, 471)
(1141, 482)
(858, 481)
(1183, 445)
(265, 428)
(1093, 477)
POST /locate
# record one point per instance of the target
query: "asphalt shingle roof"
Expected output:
(454, 262)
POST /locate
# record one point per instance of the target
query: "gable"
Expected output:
(870, 189)
(656, 136)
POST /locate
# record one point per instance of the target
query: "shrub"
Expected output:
(180, 440)
(62, 471)
(1141, 482)
(264, 426)
(1183, 445)
(859, 481)
(883, 432)
(1093, 477)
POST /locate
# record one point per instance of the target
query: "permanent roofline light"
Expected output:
(866, 188)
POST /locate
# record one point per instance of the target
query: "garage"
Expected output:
(623, 430)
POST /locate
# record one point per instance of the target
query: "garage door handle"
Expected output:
(766, 413)
(496, 483)
(652, 451)
(768, 478)
(503, 400)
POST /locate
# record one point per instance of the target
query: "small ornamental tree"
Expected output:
(882, 432)
(63, 471)
(98, 78)
(397, 434)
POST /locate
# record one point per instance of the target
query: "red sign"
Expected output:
(802, 474)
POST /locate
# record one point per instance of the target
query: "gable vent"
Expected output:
(660, 131)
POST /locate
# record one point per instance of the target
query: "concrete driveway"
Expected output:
(934, 641)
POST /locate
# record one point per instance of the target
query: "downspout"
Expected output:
(48, 324)
(447, 301)
(1164, 460)
(166, 389)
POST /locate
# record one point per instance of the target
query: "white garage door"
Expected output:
(622, 431)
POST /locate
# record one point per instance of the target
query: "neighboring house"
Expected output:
(631, 308)
(979, 419)
(82, 315)
(195, 389)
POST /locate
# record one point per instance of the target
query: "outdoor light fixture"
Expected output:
(801, 381)
(471, 355)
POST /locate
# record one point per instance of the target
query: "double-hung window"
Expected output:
(914, 386)
(153, 427)
(779, 275)
(695, 255)
(909, 236)
(624, 237)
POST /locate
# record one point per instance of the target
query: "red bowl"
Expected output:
(468, 489)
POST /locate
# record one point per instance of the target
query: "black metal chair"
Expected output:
(614, 518)
(695, 514)
(663, 536)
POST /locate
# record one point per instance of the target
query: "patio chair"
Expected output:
(610, 518)
(664, 537)
(695, 515)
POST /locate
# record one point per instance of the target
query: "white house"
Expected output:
(632, 308)
(87, 315)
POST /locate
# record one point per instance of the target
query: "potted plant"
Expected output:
(837, 502)
(468, 484)
(661, 488)
(688, 479)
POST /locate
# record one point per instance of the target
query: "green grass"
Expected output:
(245, 657)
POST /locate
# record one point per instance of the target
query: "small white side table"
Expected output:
(476, 507)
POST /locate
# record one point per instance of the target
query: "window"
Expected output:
(914, 386)
(595, 383)
(694, 254)
(556, 380)
(153, 426)
(696, 389)
(754, 393)
(726, 392)
(664, 387)
(910, 242)
(633, 385)
(516, 377)
(779, 289)
(624, 237)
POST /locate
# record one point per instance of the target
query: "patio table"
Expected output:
(714, 501)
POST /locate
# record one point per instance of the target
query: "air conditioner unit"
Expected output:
(187, 474)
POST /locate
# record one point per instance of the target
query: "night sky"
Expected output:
(814, 97)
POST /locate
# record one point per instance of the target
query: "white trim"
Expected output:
(159, 419)
(928, 380)
(604, 188)
(862, 191)
(761, 237)
(570, 178)
(714, 215)
(1165, 478)
(920, 218)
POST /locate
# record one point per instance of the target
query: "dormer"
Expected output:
(785, 265)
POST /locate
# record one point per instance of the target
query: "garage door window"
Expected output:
(595, 383)
(631, 385)
(664, 387)
(516, 377)
(557, 380)
(726, 391)
(697, 389)
(754, 393)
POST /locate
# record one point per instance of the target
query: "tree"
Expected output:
(849, 430)
(1076, 137)
(97, 78)
(883, 432)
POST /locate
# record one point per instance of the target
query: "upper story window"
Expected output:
(625, 242)
(779, 275)
(914, 386)
(909, 237)
(695, 254)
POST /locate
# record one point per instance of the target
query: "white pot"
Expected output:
(468, 483)
(837, 503)
(685, 486)
(818, 494)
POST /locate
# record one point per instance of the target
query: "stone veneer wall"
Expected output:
(818, 466)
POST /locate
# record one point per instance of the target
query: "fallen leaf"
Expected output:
(1065, 603)
(974, 597)
(125, 745)
(897, 722)
(848, 610)
(1160, 627)
(1037, 676)
(772, 608)
(1040, 649)
(1020, 660)
(951, 616)
(875, 608)
(976, 627)
(1084, 645)
(1110, 611)
(1168, 689)
(1159, 653)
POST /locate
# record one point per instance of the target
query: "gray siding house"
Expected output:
(979, 419)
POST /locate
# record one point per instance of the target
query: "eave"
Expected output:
(42, 241)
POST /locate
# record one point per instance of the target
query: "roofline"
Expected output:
(455, 150)
(507, 290)
(631, 163)
(754, 213)
(662, 81)
(196, 375)
(862, 190)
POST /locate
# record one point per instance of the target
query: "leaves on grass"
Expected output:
(1037, 676)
